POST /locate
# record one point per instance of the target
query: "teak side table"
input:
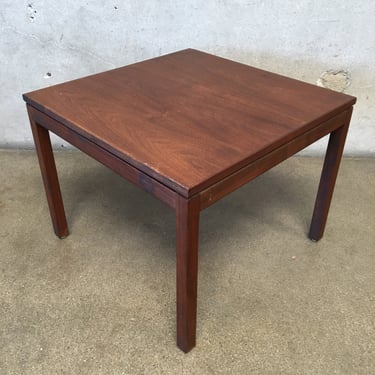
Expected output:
(189, 128)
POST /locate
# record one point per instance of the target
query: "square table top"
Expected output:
(189, 119)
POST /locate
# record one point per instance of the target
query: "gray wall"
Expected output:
(331, 43)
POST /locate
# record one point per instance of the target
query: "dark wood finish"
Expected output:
(109, 160)
(189, 119)
(189, 128)
(331, 166)
(263, 164)
(187, 237)
(51, 182)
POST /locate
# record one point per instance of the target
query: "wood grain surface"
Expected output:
(189, 119)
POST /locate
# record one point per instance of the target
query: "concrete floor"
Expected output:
(102, 301)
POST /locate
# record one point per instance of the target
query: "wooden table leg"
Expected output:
(187, 238)
(327, 180)
(51, 183)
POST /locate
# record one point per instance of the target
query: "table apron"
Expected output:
(111, 161)
(263, 164)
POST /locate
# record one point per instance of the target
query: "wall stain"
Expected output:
(337, 80)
